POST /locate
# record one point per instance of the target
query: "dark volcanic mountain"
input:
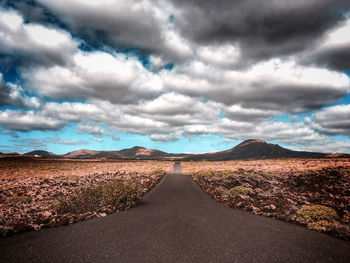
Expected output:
(254, 149)
(41, 153)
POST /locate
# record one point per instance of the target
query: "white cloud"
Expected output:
(12, 94)
(42, 44)
(142, 24)
(333, 120)
(96, 139)
(339, 35)
(90, 128)
(333, 50)
(220, 55)
(237, 112)
(116, 78)
(271, 85)
(28, 120)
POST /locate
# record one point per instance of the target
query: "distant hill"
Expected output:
(81, 154)
(136, 152)
(254, 149)
(107, 155)
(248, 149)
(41, 153)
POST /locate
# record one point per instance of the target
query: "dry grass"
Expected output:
(73, 169)
(317, 217)
(37, 193)
(116, 195)
(312, 192)
(267, 168)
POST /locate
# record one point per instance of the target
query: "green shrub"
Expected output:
(317, 217)
(258, 190)
(118, 195)
(240, 190)
(234, 191)
(267, 175)
(18, 199)
(205, 173)
(222, 190)
(72, 177)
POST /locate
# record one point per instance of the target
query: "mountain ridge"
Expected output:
(247, 149)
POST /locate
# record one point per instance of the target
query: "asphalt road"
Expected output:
(176, 222)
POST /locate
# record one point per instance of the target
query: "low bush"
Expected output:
(267, 175)
(234, 191)
(115, 195)
(18, 199)
(222, 190)
(317, 217)
(240, 190)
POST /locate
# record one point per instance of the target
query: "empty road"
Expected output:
(176, 222)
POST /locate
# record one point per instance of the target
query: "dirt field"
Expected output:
(311, 192)
(39, 193)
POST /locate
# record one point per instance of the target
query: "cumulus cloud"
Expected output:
(333, 120)
(274, 28)
(176, 110)
(145, 25)
(169, 69)
(90, 128)
(28, 120)
(44, 45)
(333, 51)
(270, 85)
(113, 77)
(236, 112)
(12, 94)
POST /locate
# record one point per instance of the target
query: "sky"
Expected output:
(179, 76)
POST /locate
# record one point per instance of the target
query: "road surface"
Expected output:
(176, 222)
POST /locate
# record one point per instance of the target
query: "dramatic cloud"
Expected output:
(263, 30)
(169, 69)
(333, 120)
(143, 25)
(117, 78)
(44, 45)
(28, 120)
(12, 94)
(334, 50)
(271, 85)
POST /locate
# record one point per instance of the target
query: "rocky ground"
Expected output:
(31, 203)
(316, 195)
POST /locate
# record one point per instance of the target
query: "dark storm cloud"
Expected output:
(5, 95)
(34, 44)
(263, 29)
(337, 57)
(117, 25)
(333, 120)
(236, 67)
(30, 9)
(12, 94)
